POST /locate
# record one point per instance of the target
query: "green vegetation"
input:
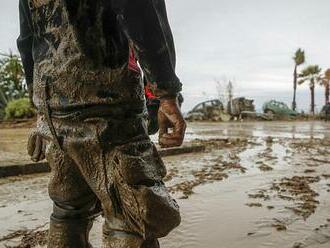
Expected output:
(326, 84)
(12, 81)
(311, 74)
(19, 108)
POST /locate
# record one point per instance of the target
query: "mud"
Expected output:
(13, 146)
(226, 199)
(298, 189)
(20, 123)
(214, 170)
(29, 239)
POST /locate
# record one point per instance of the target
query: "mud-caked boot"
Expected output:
(119, 239)
(153, 243)
(122, 239)
(69, 234)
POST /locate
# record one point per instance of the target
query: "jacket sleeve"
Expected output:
(146, 26)
(24, 44)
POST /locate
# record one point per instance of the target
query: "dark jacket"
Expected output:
(75, 52)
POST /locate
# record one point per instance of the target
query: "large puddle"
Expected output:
(218, 215)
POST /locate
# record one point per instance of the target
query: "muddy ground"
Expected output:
(256, 185)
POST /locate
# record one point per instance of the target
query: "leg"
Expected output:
(75, 204)
(128, 181)
(123, 239)
(142, 198)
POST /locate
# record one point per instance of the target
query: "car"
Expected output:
(208, 110)
(325, 112)
(276, 108)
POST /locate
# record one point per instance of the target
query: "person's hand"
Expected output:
(36, 146)
(170, 116)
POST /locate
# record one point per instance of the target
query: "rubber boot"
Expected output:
(121, 239)
(150, 244)
(69, 234)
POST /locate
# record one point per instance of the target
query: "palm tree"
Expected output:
(326, 83)
(299, 59)
(311, 74)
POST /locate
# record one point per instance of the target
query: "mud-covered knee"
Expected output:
(85, 208)
(149, 209)
(138, 162)
(160, 212)
(138, 192)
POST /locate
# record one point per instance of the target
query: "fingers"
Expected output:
(36, 147)
(43, 152)
(31, 142)
(170, 116)
(179, 126)
(37, 150)
(173, 139)
(170, 141)
(163, 124)
(176, 138)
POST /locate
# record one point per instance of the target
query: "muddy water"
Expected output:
(217, 214)
(217, 208)
(13, 141)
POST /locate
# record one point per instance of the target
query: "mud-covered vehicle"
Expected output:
(209, 110)
(278, 109)
(241, 107)
(325, 112)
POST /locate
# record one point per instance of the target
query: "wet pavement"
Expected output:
(256, 185)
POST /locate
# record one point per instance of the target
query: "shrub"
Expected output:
(20, 108)
(2, 114)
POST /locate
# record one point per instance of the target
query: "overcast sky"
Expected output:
(249, 41)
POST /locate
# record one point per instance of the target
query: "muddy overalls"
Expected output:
(91, 111)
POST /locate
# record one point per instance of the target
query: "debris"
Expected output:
(209, 110)
(265, 167)
(260, 195)
(30, 238)
(309, 171)
(279, 225)
(326, 176)
(298, 189)
(241, 107)
(259, 205)
(269, 140)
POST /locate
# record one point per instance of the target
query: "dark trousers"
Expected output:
(109, 166)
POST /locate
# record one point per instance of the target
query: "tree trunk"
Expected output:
(312, 88)
(327, 92)
(294, 104)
